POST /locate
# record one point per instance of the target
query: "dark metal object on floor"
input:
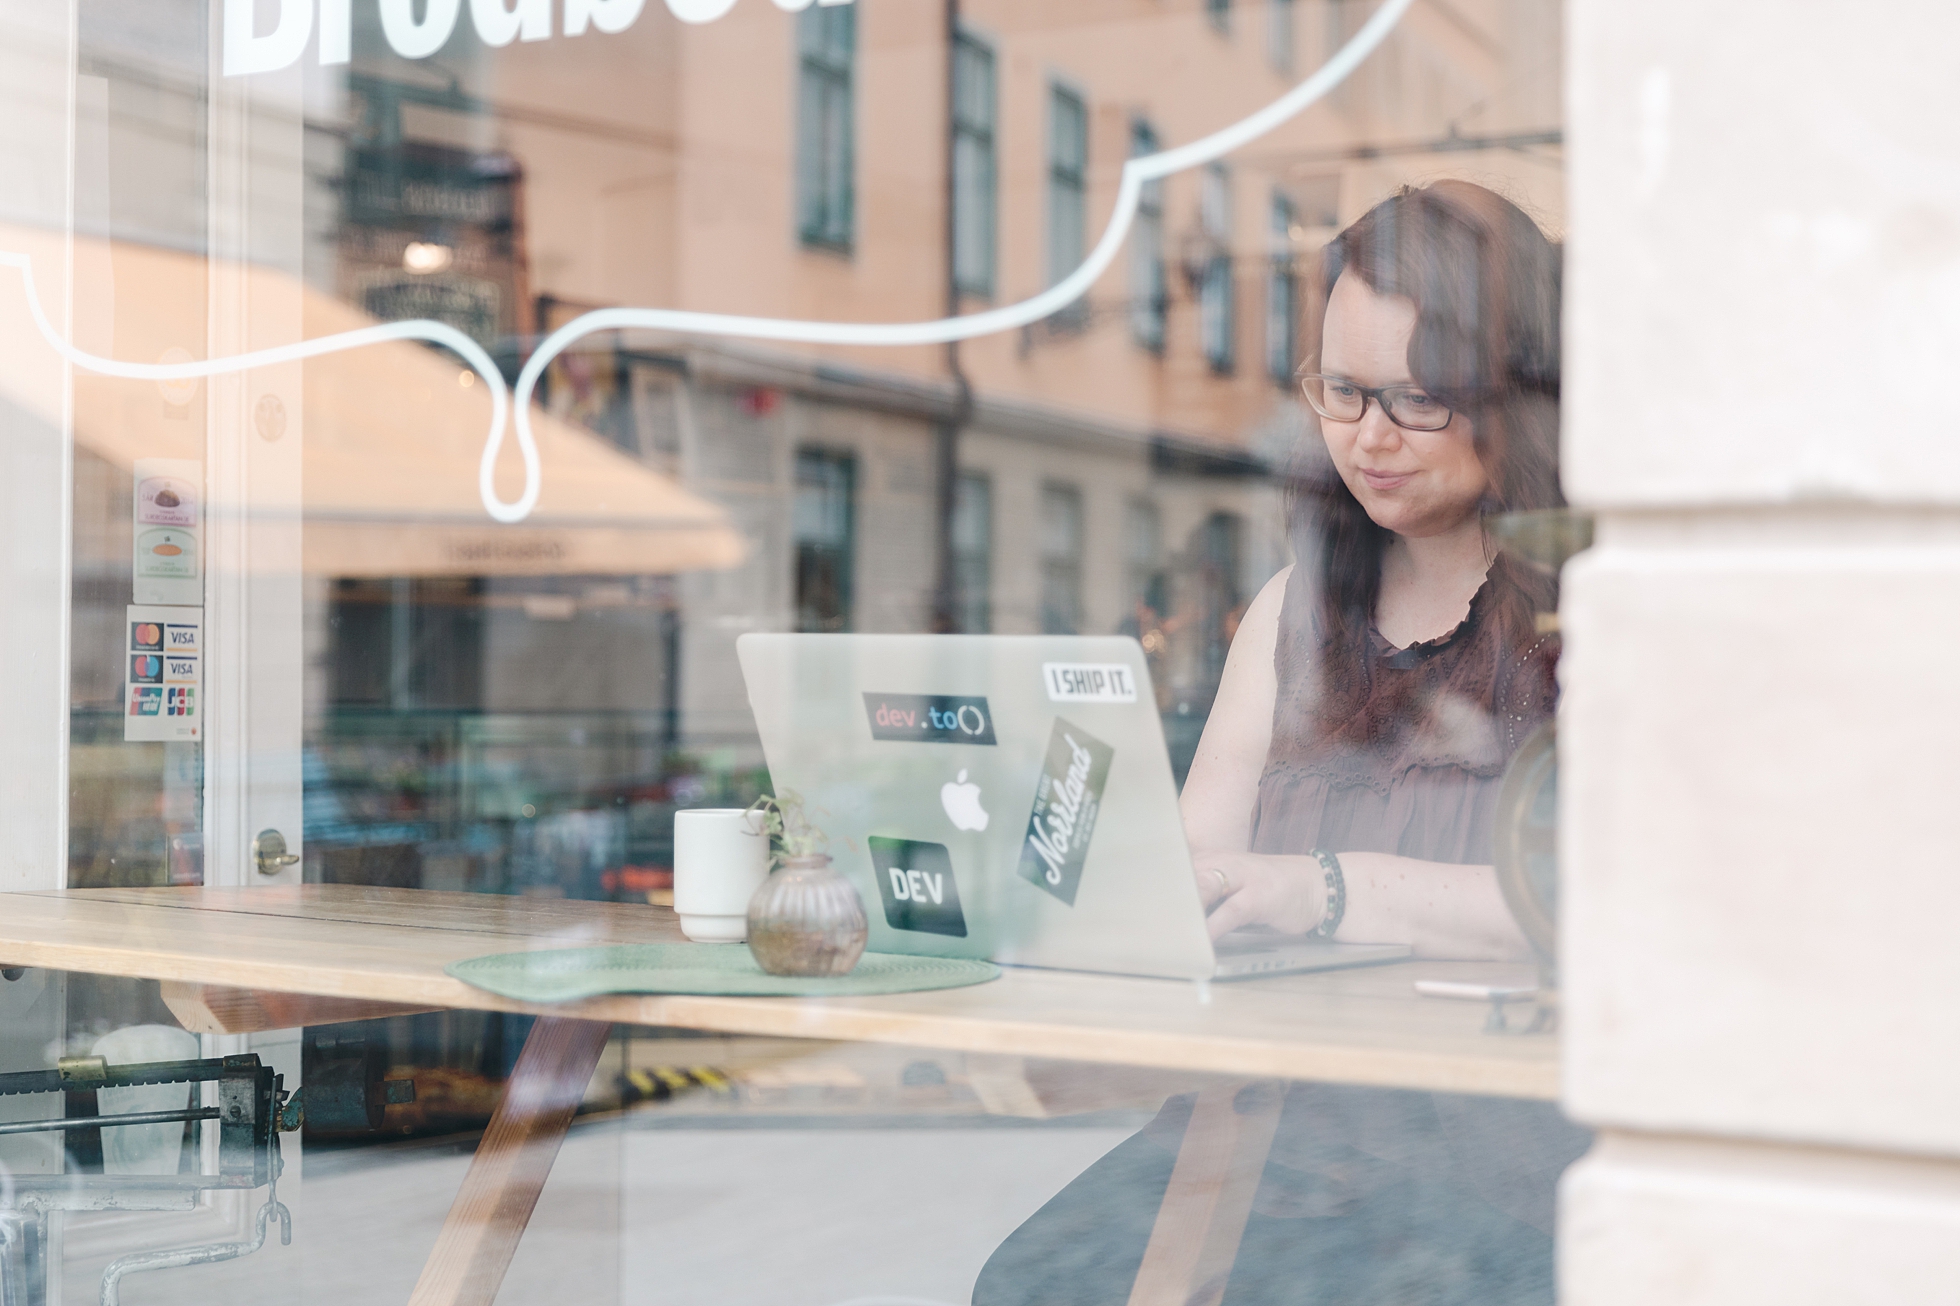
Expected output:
(252, 1107)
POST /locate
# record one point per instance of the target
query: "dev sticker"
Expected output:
(915, 879)
(1067, 800)
(1089, 682)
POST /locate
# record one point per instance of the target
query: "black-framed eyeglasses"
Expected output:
(1408, 406)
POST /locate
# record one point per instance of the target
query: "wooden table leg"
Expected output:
(1196, 1237)
(511, 1164)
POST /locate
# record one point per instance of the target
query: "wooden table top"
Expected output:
(1359, 1026)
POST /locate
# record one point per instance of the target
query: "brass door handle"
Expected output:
(269, 853)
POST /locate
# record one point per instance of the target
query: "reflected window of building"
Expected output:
(1068, 167)
(823, 523)
(825, 145)
(1221, 560)
(1215, 307)
(406, 643)
(1149, 286)
(973, 553)
(1280, 35)
(1220, 14)
(1344, 19)
(1061, 559)
(975, 165)
(1282, 293)
(1144, 547)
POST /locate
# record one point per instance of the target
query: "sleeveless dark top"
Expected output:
(1408, 758)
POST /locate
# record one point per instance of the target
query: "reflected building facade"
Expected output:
(526, 716)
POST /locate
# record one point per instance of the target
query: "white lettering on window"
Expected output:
(499, 22)
(413, 40)
(247, 52)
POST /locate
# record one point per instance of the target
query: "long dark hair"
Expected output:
(1485, 283)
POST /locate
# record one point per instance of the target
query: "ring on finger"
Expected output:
(1224, 881)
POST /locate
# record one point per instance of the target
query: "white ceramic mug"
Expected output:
(721, 857)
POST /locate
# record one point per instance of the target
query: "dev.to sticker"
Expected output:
(1089, 682)
(1067, 800)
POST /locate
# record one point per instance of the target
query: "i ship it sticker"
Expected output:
(1067, 801)
(1088, 682)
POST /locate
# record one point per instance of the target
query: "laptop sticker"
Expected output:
(1067, 800)
(929, 718)
(1088, 682)
(915, 879)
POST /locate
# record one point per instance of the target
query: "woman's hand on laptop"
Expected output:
(1287, 894)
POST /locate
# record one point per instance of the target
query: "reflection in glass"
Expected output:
(1061, 559)
(824, 519)
(826, 144)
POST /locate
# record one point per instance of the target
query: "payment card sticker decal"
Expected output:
(1089, 682)
(1067, 800)
(915, 879)
(929, 718)
(164, 678)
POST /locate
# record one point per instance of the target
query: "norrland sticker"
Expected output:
(915, 879)
(1067, 800)
(1089, 682)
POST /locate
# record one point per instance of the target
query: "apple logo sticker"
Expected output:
(961, 800)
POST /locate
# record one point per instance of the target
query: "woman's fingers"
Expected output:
(1235, 912)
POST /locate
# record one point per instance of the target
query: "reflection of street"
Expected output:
(771, 1215)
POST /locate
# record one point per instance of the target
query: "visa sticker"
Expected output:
(1089, 682)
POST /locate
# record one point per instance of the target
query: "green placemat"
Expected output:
(562, 974)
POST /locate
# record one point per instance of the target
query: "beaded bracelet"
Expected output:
(1330, 919)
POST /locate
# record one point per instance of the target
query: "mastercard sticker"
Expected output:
(163, 674)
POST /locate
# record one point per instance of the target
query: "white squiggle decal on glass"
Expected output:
(1136, 172)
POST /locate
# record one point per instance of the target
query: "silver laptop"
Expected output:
(1002, 796)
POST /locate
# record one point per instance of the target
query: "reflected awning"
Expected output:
(392, 437)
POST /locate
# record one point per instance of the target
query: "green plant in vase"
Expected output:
(806, 919)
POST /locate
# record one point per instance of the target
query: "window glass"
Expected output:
(1280, 34)
(1061, 559)
(1282, 290)
(685, 384)
(974, 165)
(823, 523)
(1068, 161)
(826, 139)
(973, 553)
(1217, 294)
(1149, 276)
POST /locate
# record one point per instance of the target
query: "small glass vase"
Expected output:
(806, 919)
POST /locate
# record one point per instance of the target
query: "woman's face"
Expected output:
(1415, 483)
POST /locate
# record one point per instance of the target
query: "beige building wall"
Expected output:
(660, 169)
(1760, 705)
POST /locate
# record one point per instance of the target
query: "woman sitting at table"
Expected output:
(1347, 778)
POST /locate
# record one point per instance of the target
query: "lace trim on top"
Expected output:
(1458, 700)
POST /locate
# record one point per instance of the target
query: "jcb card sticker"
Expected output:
(1067, 801)
(1089, 682)
(915, 880)
(163, 685)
